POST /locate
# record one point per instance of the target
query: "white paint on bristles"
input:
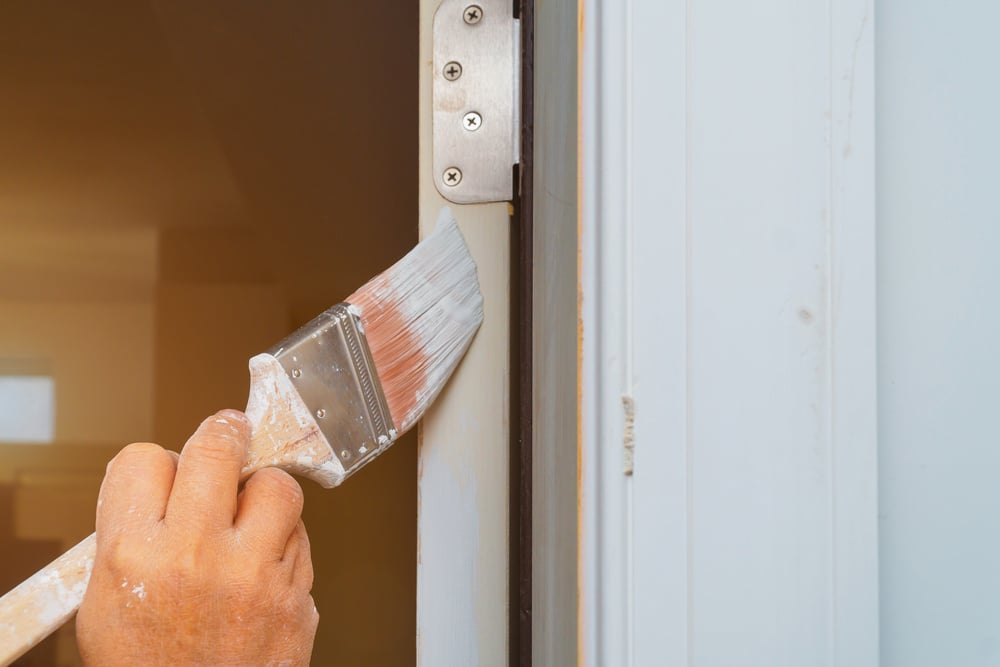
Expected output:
(421, 315)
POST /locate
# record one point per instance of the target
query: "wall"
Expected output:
(187, 207)
(939, 324)
(77, 304)
(101, 356)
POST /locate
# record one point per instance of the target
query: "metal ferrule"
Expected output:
(331, 367)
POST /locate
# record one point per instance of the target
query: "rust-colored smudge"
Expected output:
(398, 354)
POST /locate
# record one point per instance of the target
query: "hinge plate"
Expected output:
(476, 100)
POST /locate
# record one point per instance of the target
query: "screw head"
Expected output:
(452, 71)
(473, 14)
(344, 454)
(472, 121)
(452, 176)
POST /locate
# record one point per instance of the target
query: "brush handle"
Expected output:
(284, 435)
(39, 606)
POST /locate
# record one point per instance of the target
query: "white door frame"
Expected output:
(463, 491)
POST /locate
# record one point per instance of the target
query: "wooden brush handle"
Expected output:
(39, 606)
(284, 435)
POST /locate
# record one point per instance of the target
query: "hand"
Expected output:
(190, 573)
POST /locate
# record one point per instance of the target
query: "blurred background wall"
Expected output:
(180, 187)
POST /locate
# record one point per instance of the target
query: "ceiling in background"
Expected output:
(296, 121)
(97, 127)
(101, 145)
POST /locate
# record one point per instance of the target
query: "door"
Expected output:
(789, 323)
(729, 462)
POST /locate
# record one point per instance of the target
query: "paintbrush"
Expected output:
(324, 402)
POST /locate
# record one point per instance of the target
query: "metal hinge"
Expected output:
(476, 100)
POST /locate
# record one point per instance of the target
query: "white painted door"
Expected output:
(728, 334)
(804, 329)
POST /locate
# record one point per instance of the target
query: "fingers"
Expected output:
(136, 487)
(269, 510)
(299, 558)
(208, 472)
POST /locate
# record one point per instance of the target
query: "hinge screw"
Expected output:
(452, 176)
(452, 71)
(473, 14)
(472, 121)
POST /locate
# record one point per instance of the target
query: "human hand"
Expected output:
(189, 571)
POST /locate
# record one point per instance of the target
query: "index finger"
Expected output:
(135, 489)
(208, 472)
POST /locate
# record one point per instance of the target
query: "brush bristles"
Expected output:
(419, 317)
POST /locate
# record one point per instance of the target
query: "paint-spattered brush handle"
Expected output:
(284, 435)
(39, 606)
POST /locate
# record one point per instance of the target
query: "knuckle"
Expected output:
(303, 536)
(291, 604)
(189, 568)
(136, 452)
(216, 447)
(117, 555)
(138, 455)
(281, 485)
(305, 576)
(309, 615)
(227, 423)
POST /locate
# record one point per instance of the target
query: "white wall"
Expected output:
(939, 332)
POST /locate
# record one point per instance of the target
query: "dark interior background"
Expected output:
(181, 184)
